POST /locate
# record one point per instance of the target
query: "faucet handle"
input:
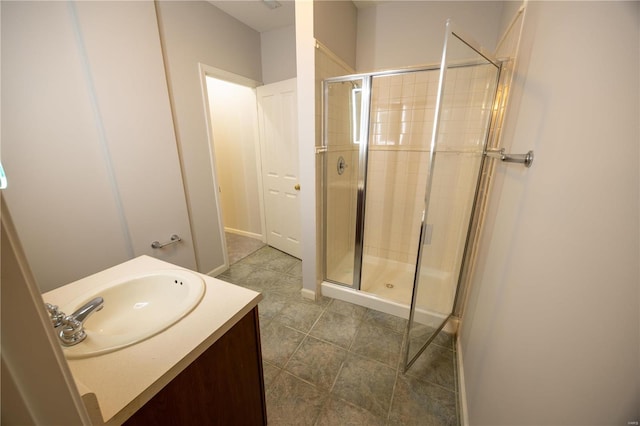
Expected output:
(72, 326)
(72, 331)
(55, 314)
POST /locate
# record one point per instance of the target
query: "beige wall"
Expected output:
(309, 162)
(509, 11)
(335, 25)
(550, 334)
(197, 32)
(77, 143)
(235, 131)
(46, 31)
(402, 33)
(278, 54)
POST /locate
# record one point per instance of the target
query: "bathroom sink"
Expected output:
(135, 308)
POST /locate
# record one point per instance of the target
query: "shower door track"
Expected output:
(406, 70)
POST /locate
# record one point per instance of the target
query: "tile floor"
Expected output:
(239, 246)
(334, 363)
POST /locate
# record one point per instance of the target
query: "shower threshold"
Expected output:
(371, 301)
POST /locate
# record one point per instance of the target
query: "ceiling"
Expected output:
(257, 15)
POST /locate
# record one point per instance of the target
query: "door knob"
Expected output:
(297, 187)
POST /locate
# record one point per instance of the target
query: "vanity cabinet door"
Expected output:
(224, 386)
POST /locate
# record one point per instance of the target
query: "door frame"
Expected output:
(361, 178)
(209, 71)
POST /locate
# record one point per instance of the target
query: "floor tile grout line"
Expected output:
(325, 393)
(361, 319)
(393, 394)
(430, 382)
(304, 380)
(306, 336)
(349, 351)
(335, 379)
(284, 370)
(326, 401)
(346, 401)
(284, 366)
(276, 376)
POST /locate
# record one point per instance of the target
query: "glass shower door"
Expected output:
(346, 101)
(400, 128)
(467, 87)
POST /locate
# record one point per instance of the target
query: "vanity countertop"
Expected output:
(124, 380)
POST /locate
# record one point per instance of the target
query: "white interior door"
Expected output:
(279, 148)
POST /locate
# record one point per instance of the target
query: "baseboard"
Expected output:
(462, 389)
(308, 294)
(217, 271)
(244, 233)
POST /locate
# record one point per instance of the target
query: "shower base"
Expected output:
(377, 294)
(384, 278)
(389, 279)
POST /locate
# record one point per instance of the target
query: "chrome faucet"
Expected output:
(72, 326)
(88, 308)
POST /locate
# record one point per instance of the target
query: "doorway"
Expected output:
(254, 156)
(232, 113)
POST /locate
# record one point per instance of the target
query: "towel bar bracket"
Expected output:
(157, 244)
(526, 159)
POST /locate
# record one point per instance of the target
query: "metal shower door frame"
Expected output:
(451, 30)
(365, 105)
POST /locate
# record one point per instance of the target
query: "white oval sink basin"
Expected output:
(135, 308)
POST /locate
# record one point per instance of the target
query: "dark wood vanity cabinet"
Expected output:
(224, 386)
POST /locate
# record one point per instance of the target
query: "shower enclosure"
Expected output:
(403, 157)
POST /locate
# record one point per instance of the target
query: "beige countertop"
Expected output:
(124, 380)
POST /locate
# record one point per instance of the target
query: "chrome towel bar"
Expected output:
(526, 159)
(157, 244)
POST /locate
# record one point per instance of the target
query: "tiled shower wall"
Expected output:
(466, 108)
(402, 112)
(401, 126)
